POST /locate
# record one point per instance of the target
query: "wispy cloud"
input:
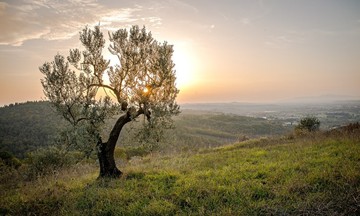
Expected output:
(182, 5)
(245, 21)
(60, 20)
(287, 39)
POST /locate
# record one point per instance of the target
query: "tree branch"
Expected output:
(116, 93)
(122, 120)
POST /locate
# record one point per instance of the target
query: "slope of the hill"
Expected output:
(29, 126)
(198, 129)
(317, 174)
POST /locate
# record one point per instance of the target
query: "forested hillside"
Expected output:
(27, 126)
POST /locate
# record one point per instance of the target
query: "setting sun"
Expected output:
(184, 66)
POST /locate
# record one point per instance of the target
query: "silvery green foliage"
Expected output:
(143, 83)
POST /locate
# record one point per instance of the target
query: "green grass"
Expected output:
(308, 175)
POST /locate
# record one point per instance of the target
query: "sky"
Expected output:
(225, 51)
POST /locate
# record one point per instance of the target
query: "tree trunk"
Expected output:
(105, 151)
(107, 161)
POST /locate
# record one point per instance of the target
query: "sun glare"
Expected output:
(183, 66)
(114, 60)
(105, 78)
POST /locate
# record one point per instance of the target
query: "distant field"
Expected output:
(331, 113)
(203, 129)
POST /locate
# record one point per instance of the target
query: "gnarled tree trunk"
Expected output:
(105, 150)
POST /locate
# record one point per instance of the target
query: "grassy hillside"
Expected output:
(316, 174)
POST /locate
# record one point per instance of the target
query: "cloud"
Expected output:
(181, 5)
(60, 20)
(245, 21)
(3, 6)
(287, 39)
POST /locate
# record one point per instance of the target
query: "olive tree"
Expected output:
(142, 83)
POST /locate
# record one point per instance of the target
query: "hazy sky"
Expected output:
(229, 50)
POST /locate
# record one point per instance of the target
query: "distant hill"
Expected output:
(215, 129)
(329, 98)
(27, 126)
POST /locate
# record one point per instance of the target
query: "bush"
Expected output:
(136, 151)
(48, 161)
(309, 123)
(9, 160)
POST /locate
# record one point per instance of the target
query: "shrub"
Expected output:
(48, 161)
(10, 160)
(309, 123)
(136, 151)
